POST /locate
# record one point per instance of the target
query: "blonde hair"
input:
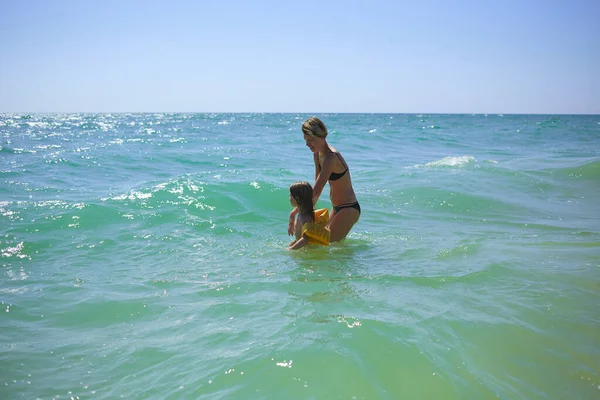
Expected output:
(314, 127)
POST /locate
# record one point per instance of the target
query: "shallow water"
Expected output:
(143, 256)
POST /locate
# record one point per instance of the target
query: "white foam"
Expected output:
(452, 162)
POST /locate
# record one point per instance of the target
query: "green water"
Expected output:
(143, 256)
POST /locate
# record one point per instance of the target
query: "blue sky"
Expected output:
(311, 56)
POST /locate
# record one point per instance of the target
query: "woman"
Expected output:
(330, 167)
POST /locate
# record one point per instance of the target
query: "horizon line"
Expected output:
(292, 112)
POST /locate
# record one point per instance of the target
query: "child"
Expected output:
(305, 229)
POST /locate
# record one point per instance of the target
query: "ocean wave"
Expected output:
(589, 170)
(15, 250)
(456, 161)
(203, 203)
(7, 150)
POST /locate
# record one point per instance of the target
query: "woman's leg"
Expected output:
(342, 222)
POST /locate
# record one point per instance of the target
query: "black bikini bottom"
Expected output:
(354, 205)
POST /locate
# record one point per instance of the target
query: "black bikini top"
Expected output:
(334, 176)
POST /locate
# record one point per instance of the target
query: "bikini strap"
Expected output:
(342, 160)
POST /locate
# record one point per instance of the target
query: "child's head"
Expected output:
(302, 194)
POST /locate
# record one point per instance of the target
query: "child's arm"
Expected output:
(301, 240)
(299, 243)
(291, 225)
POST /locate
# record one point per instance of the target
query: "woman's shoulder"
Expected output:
(332, 150)
(332, 154)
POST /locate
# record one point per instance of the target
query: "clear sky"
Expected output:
(529, 56)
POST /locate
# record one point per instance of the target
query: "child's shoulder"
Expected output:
(304, 218)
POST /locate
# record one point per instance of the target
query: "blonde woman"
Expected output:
(330, 167)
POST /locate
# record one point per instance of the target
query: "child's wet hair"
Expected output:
(302, 192)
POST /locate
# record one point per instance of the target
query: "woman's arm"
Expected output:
(322, 175)
(317, 165)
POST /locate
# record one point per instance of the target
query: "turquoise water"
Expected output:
(143, 256)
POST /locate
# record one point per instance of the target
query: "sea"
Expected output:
(144, 256)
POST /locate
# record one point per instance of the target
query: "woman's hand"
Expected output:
(292, 220)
